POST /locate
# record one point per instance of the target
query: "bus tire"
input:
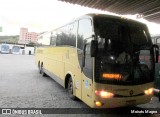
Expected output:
(42, 71)
(70, 89)
(39, 68)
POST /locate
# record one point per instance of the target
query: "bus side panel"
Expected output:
(60, 61)
(38, 55)
(52, 60)
(72, 67)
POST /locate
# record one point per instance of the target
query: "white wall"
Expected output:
(27, 49)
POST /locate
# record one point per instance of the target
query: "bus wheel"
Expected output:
(42, 71)
(39, 68)
(70, 89)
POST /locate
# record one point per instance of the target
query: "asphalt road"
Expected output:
(21, 86)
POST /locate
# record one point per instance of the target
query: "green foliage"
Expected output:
(9, 39)
(31, 43)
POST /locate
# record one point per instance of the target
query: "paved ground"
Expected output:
(21, 86)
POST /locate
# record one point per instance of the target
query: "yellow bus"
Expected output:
(105, 61)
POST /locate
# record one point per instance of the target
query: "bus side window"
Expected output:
(88, 62)
(44, 40)
(84, 32)
(66, 35)
(53, 38)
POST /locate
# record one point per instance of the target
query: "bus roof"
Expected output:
(96, 15)
(116, 17)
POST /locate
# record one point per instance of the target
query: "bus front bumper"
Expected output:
(121, 102)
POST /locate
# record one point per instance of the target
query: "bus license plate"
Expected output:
(130, 102)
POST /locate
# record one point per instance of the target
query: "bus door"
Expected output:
(84, 36)
(87, 74)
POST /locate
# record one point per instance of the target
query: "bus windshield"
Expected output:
(120, 36)
(4, 48)
(15, 49)
(124, 51)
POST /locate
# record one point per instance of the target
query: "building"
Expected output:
(156, 39)
(26, 37)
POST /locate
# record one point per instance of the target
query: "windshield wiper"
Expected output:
(145, 75)
(125, 76)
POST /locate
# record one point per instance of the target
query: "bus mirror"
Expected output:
(94, 48)
(156, 51)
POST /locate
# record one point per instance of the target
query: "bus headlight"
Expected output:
(149, 91)
(104, 94)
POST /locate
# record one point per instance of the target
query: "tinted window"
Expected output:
(67, 35)
(124, 48)
(119, 35)
(88, 68)
(139, 35)
(84, 31)
(53, 38)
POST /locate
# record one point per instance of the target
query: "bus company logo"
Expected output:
(6, 111)
(131, 93)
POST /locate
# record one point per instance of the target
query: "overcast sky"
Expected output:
(42, 15)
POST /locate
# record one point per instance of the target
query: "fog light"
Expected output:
(98, 103)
